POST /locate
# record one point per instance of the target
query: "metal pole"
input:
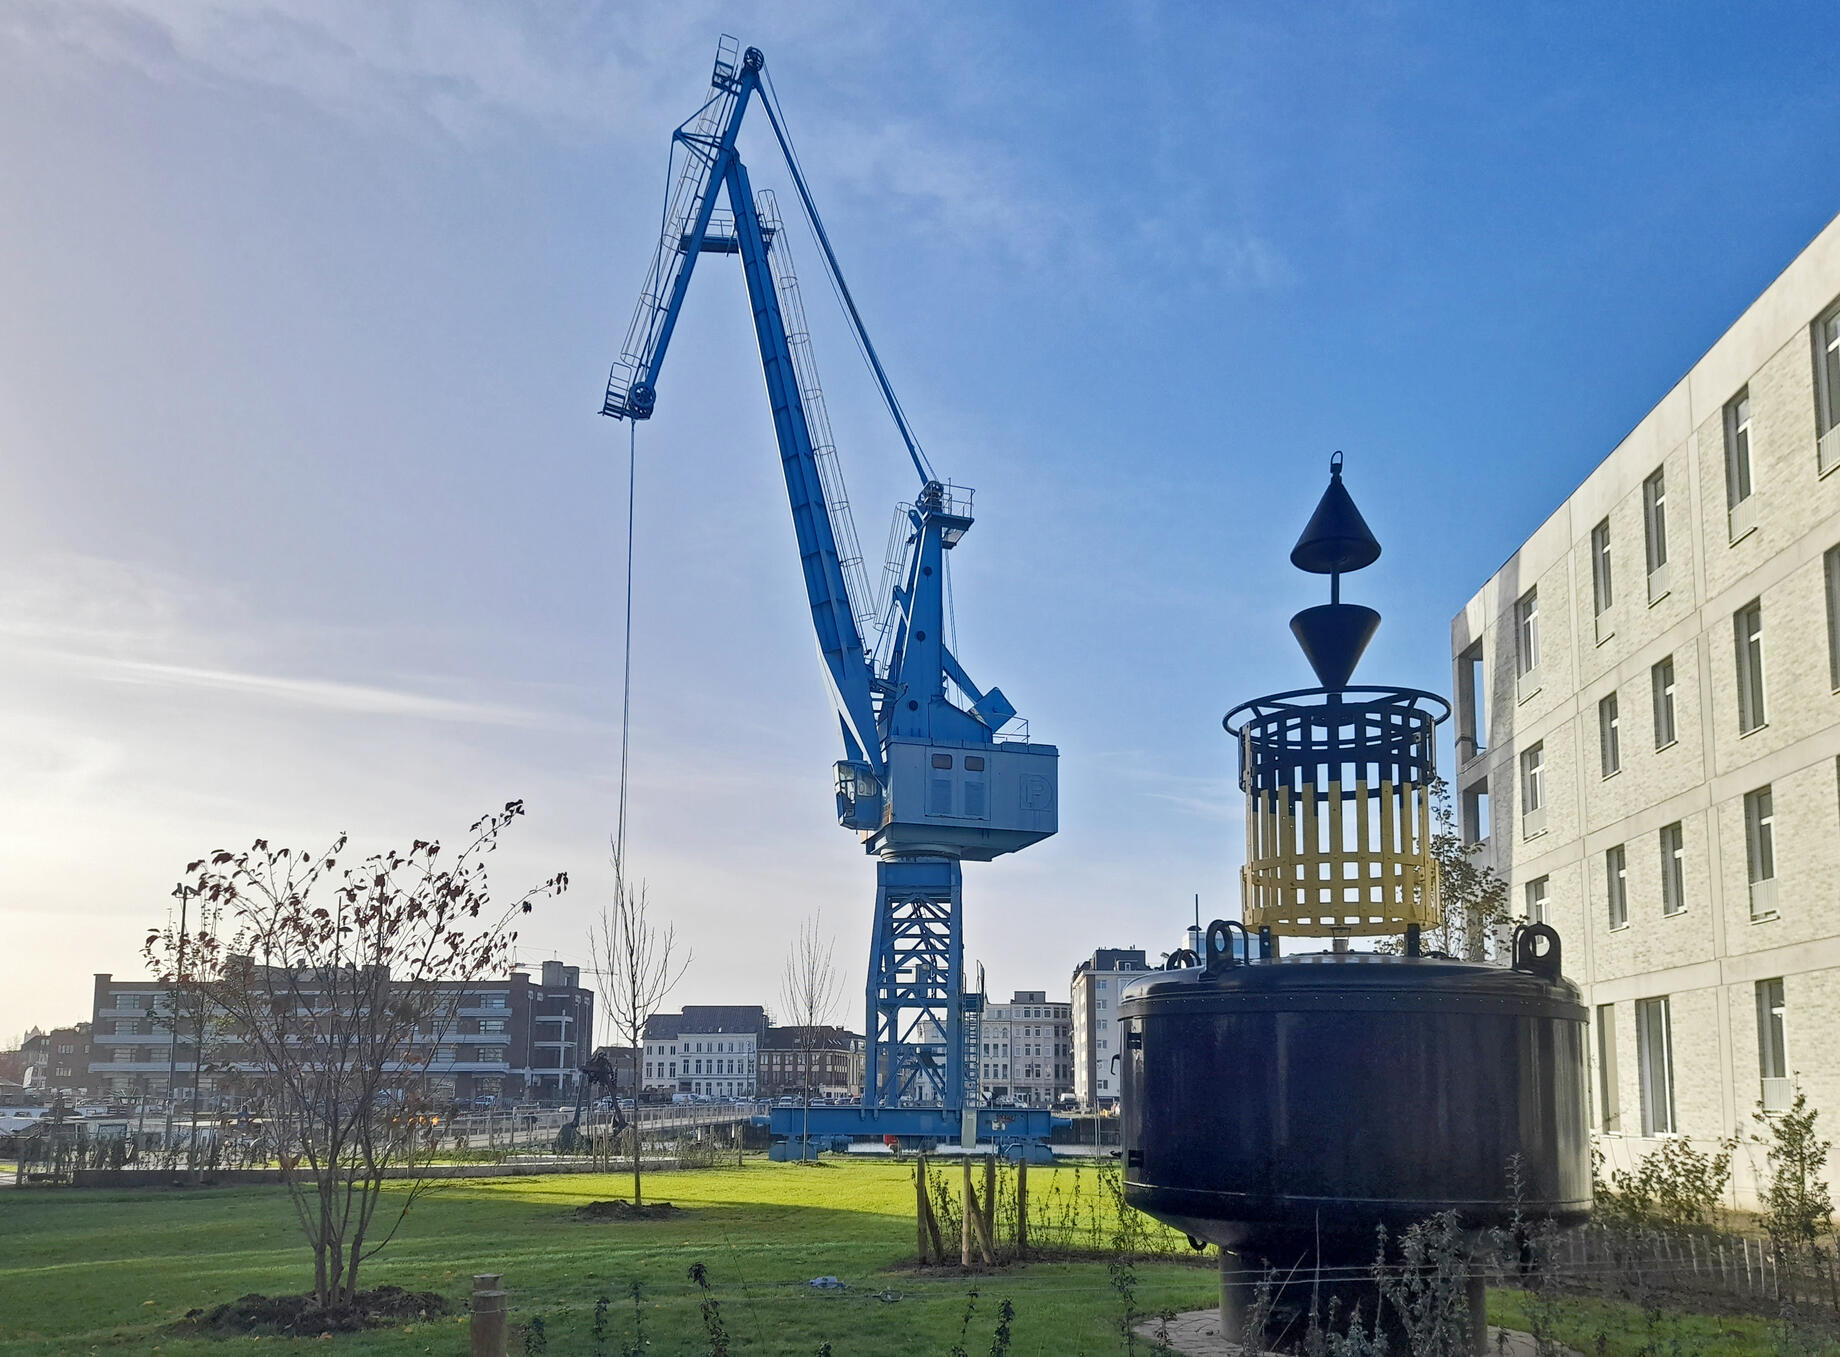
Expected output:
(1235, 1300)
(172, 1021)
(1477, 1292)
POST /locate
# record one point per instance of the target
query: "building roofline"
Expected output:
(1740, 349)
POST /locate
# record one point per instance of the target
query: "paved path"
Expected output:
(1197, 1334)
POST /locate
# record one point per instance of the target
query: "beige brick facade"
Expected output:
(1708, 958)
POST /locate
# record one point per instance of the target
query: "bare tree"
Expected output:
(808, 988)
(340, 986)
(636, 967)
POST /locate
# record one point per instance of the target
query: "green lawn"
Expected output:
(108, 1271)
(1626, 1330)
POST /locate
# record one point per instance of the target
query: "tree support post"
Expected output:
(967, 1209)
(1022, 1206)
(920, 1210)
(489, 1320)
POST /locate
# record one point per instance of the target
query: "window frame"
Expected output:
(1664, 689)
(1603, 585)
(1673, 841)
(1527, 633)
(1760, 849)
(1825, 333)
(1616, 885)
(1739, 483)
(1533, 789)
(1609, 742)
(1830, 575)
(1610, 1111)
(1537, 894)
(1747, 644)
(1655, 1025)
(1654, 518)
(1772, 1029)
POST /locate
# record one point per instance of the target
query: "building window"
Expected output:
(1533, 791)
(1654, 519)
(1655, 1057)
(1608, 747)
(1747, 633)
(1475, 812)
(1536, 899)
(1827, 388)
(1760, 851)
(1772, 1046)
(1472, 718)
(1741, 515)
(1673, 869)
(1661, 678)
(1602, 593)
(1830, 568)
(1616, 885)
(1527, 633)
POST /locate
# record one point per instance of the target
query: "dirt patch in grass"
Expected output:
(627, 1211)
(301, 1315)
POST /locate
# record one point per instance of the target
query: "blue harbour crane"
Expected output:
(936, 770)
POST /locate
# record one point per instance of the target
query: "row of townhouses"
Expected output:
(525, 1038)
(1026, 1054)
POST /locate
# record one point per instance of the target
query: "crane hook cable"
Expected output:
(770, 101)
(619, 835)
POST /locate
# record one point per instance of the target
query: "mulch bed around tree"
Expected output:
(627, 1211)
(301, 1315)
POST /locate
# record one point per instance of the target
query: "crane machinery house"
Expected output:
(936, 770)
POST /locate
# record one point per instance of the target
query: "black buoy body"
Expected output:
(1299, 1102)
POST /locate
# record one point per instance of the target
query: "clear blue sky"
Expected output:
(308, 520)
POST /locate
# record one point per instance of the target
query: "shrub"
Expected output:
(1674, 1186)
(1798, 1208)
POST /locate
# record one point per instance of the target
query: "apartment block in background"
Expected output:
(834, 1056)
(514, 1039)
(1025, 1051)
(1097, 1036)
(707, 1050)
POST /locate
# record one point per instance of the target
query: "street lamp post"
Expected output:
(184, 894)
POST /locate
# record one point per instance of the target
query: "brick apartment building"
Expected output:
(835, 1055)
(58, 1061)
(1648, 703)
(515, 1039)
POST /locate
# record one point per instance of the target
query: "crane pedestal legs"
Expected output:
(919, 1021)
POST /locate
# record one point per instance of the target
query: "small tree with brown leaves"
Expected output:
(636, 966)
(339, 985)
(808, 988)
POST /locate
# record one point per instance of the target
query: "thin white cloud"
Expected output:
(109, 621)
(359, 699)
(462, 67)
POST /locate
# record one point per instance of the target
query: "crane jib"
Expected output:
(925, 782)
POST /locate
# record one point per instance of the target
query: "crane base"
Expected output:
(1003, 1128)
